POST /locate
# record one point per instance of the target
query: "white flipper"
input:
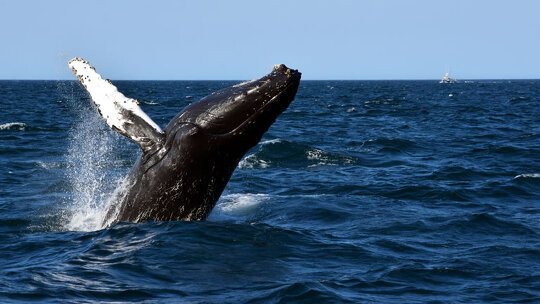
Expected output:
(121, 113)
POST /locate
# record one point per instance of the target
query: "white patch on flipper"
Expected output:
(110, 102)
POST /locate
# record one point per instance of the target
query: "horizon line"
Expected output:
(330, 79)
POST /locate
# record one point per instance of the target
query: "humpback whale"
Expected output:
(184, 168)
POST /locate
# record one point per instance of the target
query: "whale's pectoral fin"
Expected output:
(121, 113)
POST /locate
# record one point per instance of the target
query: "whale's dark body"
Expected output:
(184, 169)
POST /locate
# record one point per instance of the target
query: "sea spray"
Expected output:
(88, 158)
(94, 169)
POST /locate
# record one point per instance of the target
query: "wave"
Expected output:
(487, 224)
(526, 183)
(461, 173)
(150, 102)
(518, 99)
(13, 126)
(306, 292)
(257, 207)
(282, 153)
(241, 203)
(503, 149)
(390, 145)
(483, 224)
(384, 101)
(527, 176)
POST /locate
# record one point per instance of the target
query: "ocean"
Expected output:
(361, 192)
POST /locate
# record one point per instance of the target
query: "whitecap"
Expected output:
(527, 175)
(13, 126)
(252, 161)
(321, 158)
(271, 141)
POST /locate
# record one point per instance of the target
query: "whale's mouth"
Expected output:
(250, 105)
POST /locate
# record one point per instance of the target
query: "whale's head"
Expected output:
(204, 143)
(237, 116)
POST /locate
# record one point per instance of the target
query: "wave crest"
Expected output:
(282, 153)
(527, 176)
(21, 126)
(239, 206)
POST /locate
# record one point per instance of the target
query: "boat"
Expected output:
(446, 78)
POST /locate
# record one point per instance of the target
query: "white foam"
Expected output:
(13, 125)
(317, 155)
(90, 215)
(240, 204)
(272, 141)
(251, 161)
(528, 175)
(321, 157)
(87, 218)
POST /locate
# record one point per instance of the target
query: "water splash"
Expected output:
(94, 165)
(90, 157)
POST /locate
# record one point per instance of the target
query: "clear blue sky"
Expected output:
(242, 39)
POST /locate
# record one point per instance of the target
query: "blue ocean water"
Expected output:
(362, 192)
